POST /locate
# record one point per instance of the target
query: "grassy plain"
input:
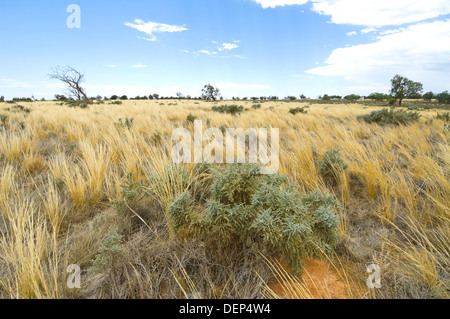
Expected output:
(61, 171)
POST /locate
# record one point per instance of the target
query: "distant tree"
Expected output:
(325, 97)
(180, 95)
(59, 97)
(156, 96)
(352, 97)
(73, 80)
(443, 97)
(291, 98)
(210, 93)
(105, 98)
(302, 97)
(402, 87)
(124, 97)
(2, 99)
(114, 97)
(377, 96)
(274, 98)
(428, 96)
(43, 99)
(254, 98)
(98, 98)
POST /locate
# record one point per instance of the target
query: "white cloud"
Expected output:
(229, 46)
(275, 3)
(421, 52)
(207, 52)
(140, 66)
(381, 12)
(112, 66)
(150, 28)
(349, 34)
(371, 12)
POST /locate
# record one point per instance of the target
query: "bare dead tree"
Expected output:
(73, 79)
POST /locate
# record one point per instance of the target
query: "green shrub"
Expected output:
(77, 103)
(191, 118)
(251, 212)
(125, 123)
(109, 252)
(443, 116)
(116, 102)
(332, 163)
(256, 106)
(229, 109)
(298, 110)
(386, 116)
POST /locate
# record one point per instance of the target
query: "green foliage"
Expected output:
(250, 212)
(210, 93)
(443, 97)
(352, 97)
(229, 109)
(332, 163)
(77, 103)
(127, 123)
(256, 106)
(109, 252)
(428, 96)
(391, 116)
(191, 118)
(115, 102)
(296, 110)
(3, 120)
(378, 96)
(402, 88)
(443, 116)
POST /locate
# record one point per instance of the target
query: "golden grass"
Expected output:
(76, 160)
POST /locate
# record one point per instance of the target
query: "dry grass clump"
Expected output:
(62, 173)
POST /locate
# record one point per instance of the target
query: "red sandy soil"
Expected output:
(317, 280)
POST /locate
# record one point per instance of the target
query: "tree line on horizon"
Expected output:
(401, 88)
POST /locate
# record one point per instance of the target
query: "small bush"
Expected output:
(109, 251)
(125, 123)
(256, 106)
(332, 164)
(248, 211)
(191, 118)
(443, 116)
(229, 109)
(116, 102)
(298, 110)
(395, 117)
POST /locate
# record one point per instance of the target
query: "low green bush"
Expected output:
(247, 211)
(332, 164)
(296, 110)
(229, 109)
(391, 116)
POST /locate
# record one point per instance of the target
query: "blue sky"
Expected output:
(244, 47)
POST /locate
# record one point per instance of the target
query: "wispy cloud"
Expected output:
(223, 47)
(150, 28)
(139, 66)
(349, 34)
